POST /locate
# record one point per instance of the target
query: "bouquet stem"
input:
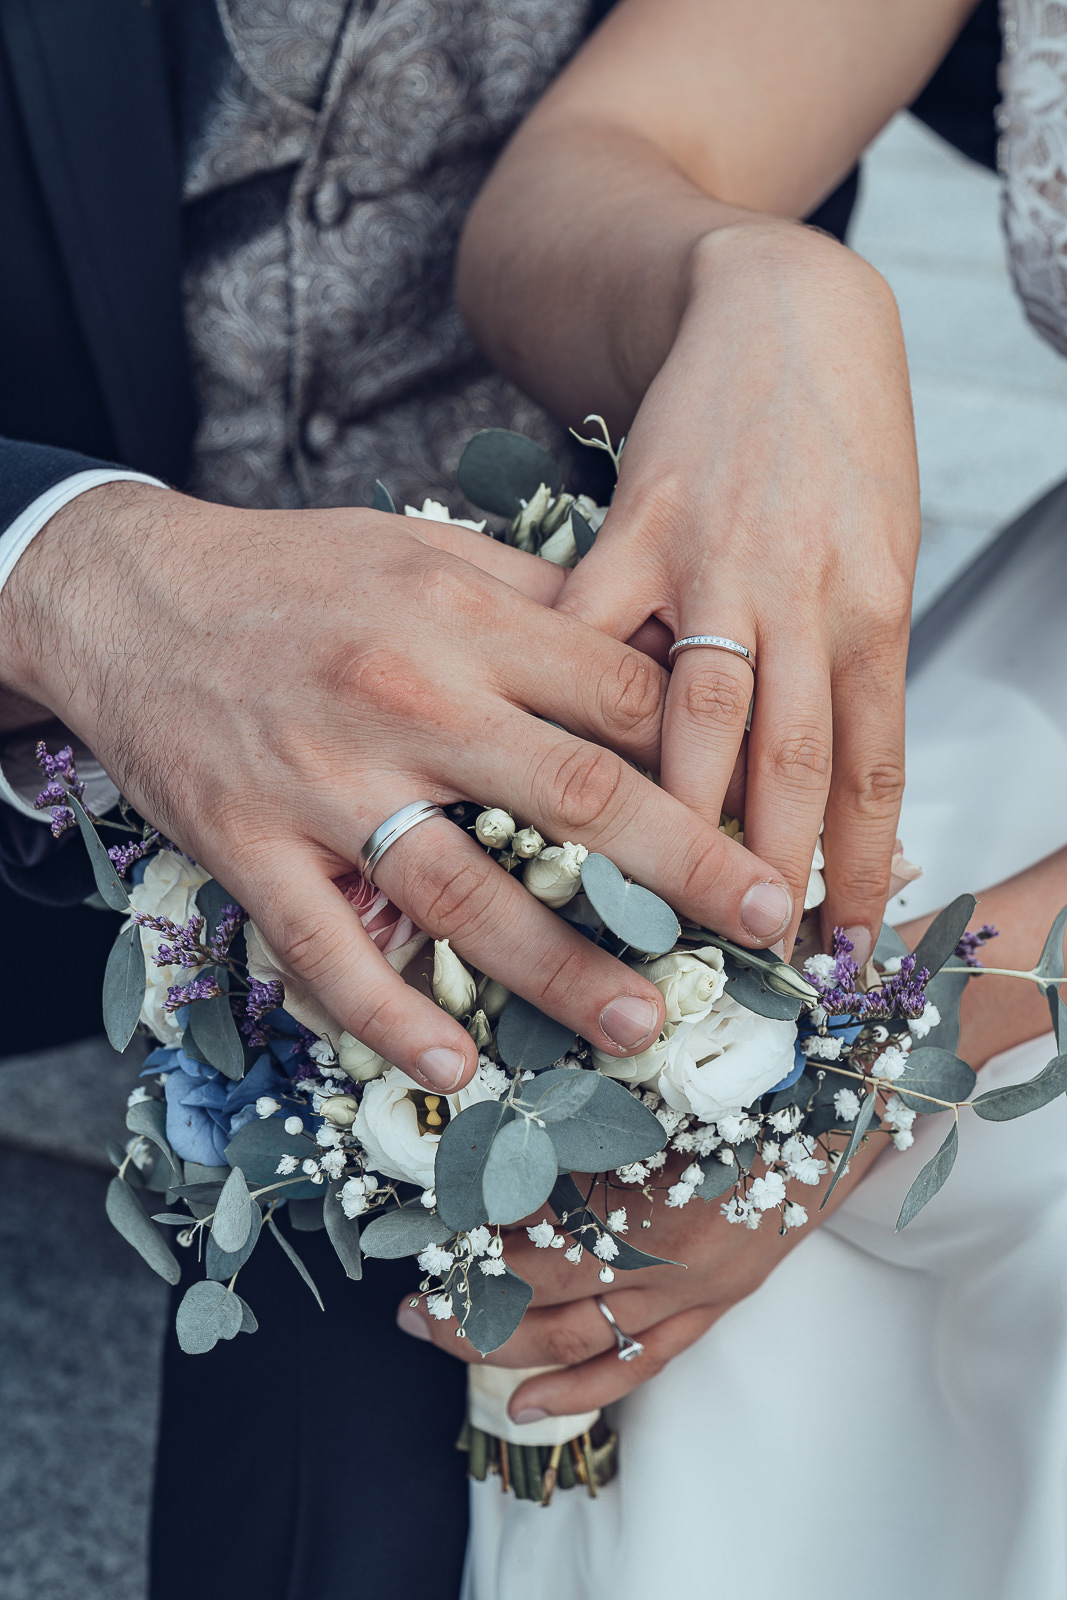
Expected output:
(535, 1471)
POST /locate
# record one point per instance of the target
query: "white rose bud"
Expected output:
(527, 844)
(453, 986)
(494, 998)
(357, 1060)
(340, 1110)
(555, 876)
(495, 829)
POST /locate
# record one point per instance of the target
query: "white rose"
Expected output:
(637, 1069)
(494, 828)
(453, 986)
(434, 511)
(690, 981)
(387, 1126)
(555, 876)
(724, 1061)
(168, 889)
(357, 1060)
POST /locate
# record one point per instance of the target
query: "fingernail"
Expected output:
(861, 938)
(628, 1021)
(766, 909)
(439, 1068)
(409, 1321)
(529, 1414)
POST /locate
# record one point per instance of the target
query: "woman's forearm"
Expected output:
(999, 1012)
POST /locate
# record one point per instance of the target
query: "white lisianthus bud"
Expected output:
(555, 876)
(561, 549)
(479, 1030)
(340, 1110)
(357, 1060)
(453, 986)
(294, 1125)
(528, 844)
(494, 828)
(494, 998)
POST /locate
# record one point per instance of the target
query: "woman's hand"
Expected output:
(668, 1307)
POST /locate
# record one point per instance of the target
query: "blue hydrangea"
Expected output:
(204, 1108)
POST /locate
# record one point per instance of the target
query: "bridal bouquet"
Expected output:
(766, 1078)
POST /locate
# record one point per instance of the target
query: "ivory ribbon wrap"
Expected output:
(488, 1391)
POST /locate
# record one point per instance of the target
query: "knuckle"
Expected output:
(630, 701)
(308, 949)
(701, 868)
(583, 782)
(558, 979)
(454, 896)
(880, 788)
(379, 676)
(801, 759)
(713, 694)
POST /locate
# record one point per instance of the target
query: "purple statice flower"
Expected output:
(182, 945)
(231, 920)
(263, 997)
(124, 856)
(834, 976)
(181, 994)
(970, 944)
(903, 994)
(62, 782)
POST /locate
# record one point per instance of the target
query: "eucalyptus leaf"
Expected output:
(249, 1324)
(115, 1153)
(259, 1146)
(215, 1032)
(939, 941)
(459, 1164)
(405, 1231)
(497, 1306)
(305, 1216)
(109, 885)
(288, 1250)
(774, 973)
(382, 500)
(797, 1094)
(584, 536)
(930, 1179)
(127, 1215)
(562, 1092)
(859, 1128)
(498, 470)
(1059, 1016)
(569, 1204)
(232, 1221)
(890, 945)
(527, 1039)
(639, 917)
(222, 1264)
(211, 901)
(124, 986)
(745, 1154)
(149, 1119)
(719, 1178)
(945, 991)
(610, 1130)
(1017, 1099)
(931, 1071)
(208, 1312)
(747, 986)
(1051, 962)
(342, 1231)
(520, 1171)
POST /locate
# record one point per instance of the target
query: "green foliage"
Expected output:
(945, 991)
(305, 1216)
(576, 1217)
(124, 987)
(214, 1031)
(127, 1216)
(288, 1250)
(527, 1039)
(939, 941)
(635, 915)
(222, 1264)
(403, 1231)
(749, 987)
(259, 1146)
(718, 1180)
(497, 1306)
(499, 469)
(208, 1312)
(860, 1126)
(109, 885)
(459, 1165)
(1018, 1099)
(149, 1119)
(342, 1231)
(382, 500)
(890, 945)
(930, 1179)
(931, 1071)
(520, 1170)
(584, 537)
(232, 1221)
(594, 1123)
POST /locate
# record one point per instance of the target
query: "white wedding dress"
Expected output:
(886, 1416)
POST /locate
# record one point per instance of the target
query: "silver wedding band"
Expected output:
(628, 1347)
(711, 641)
(392, 829)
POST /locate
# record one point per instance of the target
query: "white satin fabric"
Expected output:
(887, 1416)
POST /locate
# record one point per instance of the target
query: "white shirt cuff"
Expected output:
(21, 779)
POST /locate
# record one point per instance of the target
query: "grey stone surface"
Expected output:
(81, 1325)
(68, 1101)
